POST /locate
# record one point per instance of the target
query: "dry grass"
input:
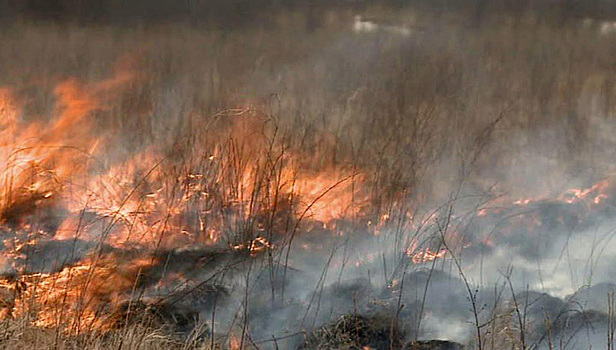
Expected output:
(18, 335)
(414, 116)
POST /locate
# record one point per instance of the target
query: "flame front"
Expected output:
(59, 185)
(246, 190)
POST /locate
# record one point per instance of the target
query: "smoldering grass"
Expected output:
(395, 124)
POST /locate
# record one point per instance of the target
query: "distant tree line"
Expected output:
(230, 12)
(553, 10)
(240, 12)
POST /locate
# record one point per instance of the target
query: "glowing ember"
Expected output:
(426, 255)
(257, 245)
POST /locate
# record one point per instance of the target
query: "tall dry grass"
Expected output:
(416, 116)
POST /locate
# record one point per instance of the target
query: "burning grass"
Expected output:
(241, 192)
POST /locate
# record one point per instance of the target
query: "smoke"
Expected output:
(266, 184)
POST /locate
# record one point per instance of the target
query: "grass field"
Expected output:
(173, 184)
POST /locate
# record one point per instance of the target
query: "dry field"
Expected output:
(298, 184)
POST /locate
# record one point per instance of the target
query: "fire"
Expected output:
(58, 184)
(596, 192)
(244, 191)
(426, 255)
(78, 297)
(522, 216)
(38, 160)
(255, 246)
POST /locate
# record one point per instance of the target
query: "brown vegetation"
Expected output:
(192, 149)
